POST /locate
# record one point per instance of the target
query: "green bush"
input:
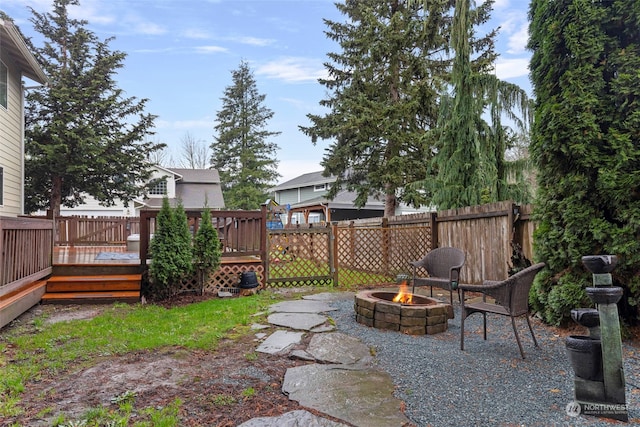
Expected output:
(171, 250)
(206, 248)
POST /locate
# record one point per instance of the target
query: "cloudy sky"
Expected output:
(180, 55)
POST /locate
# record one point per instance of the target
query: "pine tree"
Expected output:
(470, 163)
(82, 135)
(242, 153)
(586, 143)
(383, 95)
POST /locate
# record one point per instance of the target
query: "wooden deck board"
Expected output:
(13, 305)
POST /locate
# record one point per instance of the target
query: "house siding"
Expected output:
(11, 144)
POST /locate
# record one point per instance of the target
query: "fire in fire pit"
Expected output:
(403, 296)
(405, 312)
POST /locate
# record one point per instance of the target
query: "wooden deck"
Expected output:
(86, 255)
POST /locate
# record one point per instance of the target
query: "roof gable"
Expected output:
(13, 42)
(305, 180)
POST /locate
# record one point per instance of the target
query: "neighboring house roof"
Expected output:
(305, 180)
(343, 200)
(13, 42)
(194, 188)
(203, 176)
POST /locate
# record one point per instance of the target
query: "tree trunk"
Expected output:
(390, 203)
(56, 195)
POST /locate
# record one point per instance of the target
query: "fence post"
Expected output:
(263, 241)
(385, 244)
(333, 253)
(433, 225)
(144, 236)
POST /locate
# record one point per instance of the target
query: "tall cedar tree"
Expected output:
(242, 154)
(171, 251)
(470, 164)
(383, 90)
(82, 134)
(586, 142)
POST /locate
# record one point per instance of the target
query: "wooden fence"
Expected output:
(360, 252)
(377, 250)
(26, 248)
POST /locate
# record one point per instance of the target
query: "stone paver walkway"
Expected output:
(339, 381)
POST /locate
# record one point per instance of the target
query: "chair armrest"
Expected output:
(486, 285)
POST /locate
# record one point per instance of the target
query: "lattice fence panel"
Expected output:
(374, 255)
(299, 258)
(226, 278)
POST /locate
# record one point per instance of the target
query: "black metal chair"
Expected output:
(511, 298)
(443, 267)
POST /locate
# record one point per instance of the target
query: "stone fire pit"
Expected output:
(423, 316)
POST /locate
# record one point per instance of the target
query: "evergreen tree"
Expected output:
(383, 94)
(470, 164)
(82, 135)
(206, 248)
(242, 154)
(586, 143)
(171, 251)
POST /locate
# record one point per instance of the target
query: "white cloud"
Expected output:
(210, 49)
(510, 68)
(91, 12)
(146, 27)
(518, 41)
(194, 33)
(254, 41)
(292, 69)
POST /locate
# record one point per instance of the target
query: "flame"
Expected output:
(404, 296)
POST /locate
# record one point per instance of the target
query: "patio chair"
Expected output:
(443, 267)
(510, 298)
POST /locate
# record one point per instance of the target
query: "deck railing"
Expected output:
(241, 233)
(26, 247)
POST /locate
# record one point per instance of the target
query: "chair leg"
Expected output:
(451, 296)
(462, 317)
(515, 331)
(531, 329)
(484, 324)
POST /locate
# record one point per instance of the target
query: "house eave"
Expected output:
(18, 48)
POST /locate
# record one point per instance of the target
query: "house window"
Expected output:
(321, 187)
(1, 186)
(160, 189)
(4, 85)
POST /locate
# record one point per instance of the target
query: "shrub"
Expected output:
(206, 248)
(171, 251)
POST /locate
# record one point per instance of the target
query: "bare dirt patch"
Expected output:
(221, 388)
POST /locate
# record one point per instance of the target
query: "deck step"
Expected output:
(90, 297)
(101, 283)
(15, 303)
(93, 289)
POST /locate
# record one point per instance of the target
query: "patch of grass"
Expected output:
(103, 416)
(121, 328)
(251, 356)
(248, 392)
(223, 399)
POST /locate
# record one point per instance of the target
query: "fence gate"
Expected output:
(299, 257)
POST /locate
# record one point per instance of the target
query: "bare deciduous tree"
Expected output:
(195, 153)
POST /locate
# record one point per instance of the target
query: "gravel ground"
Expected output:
(488, 383)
